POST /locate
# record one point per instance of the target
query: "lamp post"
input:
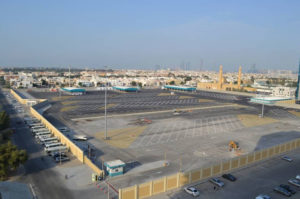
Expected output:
(105, 101)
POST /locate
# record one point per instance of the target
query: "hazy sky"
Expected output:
(144, 33)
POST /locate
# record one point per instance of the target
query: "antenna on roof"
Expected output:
(69, 76)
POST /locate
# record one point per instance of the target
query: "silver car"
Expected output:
(294, 182)
(261, 196)
(192, 191)
(286, 158)
(217, 182)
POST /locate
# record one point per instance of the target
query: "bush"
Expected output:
(10, 159)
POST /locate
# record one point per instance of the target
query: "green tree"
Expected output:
(140, 84)
(10, 159)
(187, 79)
(4, 120)
(133, 83)
(44, 82)
(172, 82)
(2, 81)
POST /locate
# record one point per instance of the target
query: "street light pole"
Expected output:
(105, 101)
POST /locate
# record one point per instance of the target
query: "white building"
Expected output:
(281, 91)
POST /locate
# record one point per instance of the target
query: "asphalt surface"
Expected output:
(39, 171)
(92, 103)
(197, 138)
(259, 178)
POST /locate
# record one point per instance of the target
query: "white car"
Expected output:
(294, 182)
(261, 196)
(287, 158)
(298, 177)
(217, 182)
(192, 191)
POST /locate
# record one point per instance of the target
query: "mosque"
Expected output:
(222, 85)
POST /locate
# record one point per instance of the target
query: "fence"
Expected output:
(75, 150)
(167, 183)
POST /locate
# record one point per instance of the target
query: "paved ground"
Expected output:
(148, 100)
(47, 178)
(258, 179)
(192, 139)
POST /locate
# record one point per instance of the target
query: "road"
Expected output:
(258, 179)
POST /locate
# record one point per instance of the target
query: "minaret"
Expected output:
(239, 77)
(220, 77)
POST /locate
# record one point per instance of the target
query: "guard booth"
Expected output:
(115, 167)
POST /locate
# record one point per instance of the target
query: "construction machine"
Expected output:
(234, 146)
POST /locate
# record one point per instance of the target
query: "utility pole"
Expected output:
(180, 163)
(105, 101)
(107, 190)
(69, 76)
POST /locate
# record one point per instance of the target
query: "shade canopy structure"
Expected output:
(180, 88)
(73, 90)
(267, 100)
(125, 88)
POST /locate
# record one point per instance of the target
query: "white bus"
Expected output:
(36, 124)
(80, 138)
(44, 136)
(48, 139)
(47, 146)
(60, 149)
(37, 127)
(39, 130)
(50, 142)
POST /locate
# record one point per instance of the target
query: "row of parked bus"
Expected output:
(52, 146)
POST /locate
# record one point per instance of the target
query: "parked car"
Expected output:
(294, 182)
(282, 191)
(261, 196)
(61, 159)
(288, 188)
(298, 177)
(286, 158)
(228, 176)
(217, 182)
(57, 155)
(192, 191)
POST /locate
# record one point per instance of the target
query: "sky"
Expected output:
(145, 34)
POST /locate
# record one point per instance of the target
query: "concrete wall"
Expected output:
(75, 150)
(167, 183)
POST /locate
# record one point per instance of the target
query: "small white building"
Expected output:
(115, 167)
(282, 91)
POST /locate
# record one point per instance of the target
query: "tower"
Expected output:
(298, 85)
(220, 77)
(239, 77)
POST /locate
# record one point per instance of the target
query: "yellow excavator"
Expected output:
(234, 146)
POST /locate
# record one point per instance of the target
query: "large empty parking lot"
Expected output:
(184, 130)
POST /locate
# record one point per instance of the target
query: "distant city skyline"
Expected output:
(190, 35)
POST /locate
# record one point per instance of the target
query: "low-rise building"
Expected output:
(281, 91)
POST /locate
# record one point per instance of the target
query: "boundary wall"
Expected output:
(74, 149)
(175, 181)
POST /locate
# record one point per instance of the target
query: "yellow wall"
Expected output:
(75, 150)
(182, 179)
